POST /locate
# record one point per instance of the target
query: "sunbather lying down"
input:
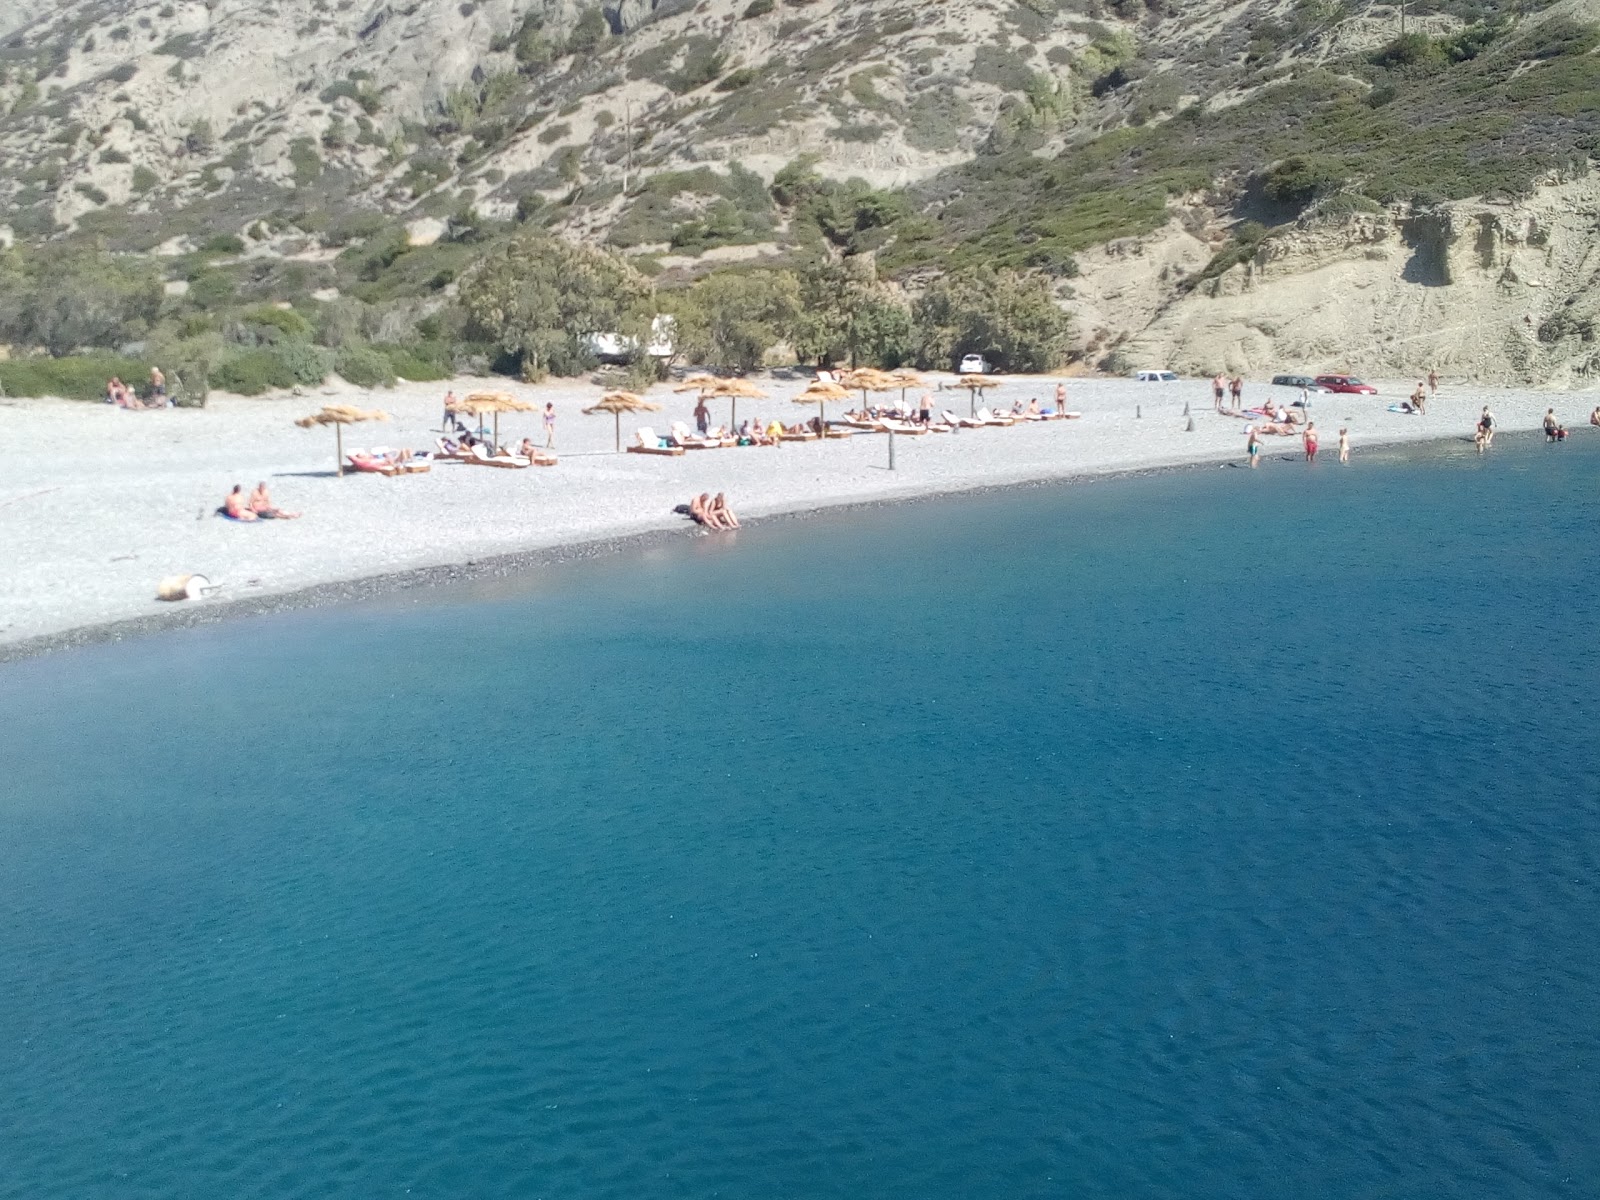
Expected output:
(712, 513)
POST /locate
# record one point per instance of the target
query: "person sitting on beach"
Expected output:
(704, 511)
(1561, 433)
(723, 514)
(1033, 408)
(237, 505)
(775, 430)
(261, 504)
(1594, 417)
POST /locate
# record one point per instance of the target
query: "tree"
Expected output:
(1010, 318)
(730, 320)
(67, 299)
(539, 296)
(846, 314)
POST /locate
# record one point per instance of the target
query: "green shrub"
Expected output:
(144, 179)
(223, 244)
(734, 80)
(284, 322)
(80, 377)
(759, 8)
(419, 362)
(364, 367)
(252, 372)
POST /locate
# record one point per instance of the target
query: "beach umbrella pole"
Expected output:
(891, 449)
(618, 416)
(338, 449)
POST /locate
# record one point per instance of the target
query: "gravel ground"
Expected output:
(97, 505)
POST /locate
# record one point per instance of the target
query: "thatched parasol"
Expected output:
(617, 403)
(716, 387)
(820, 393)
(480, 404)
(340, 415)
(905, 380)
(868, 379)
(975, 384)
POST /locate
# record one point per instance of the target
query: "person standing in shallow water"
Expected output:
(1486, 428)
(1310, 437)
(1550, 424)
(1252, 446)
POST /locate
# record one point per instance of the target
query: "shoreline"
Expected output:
(500, 566)
(92, 528)
(194, 615)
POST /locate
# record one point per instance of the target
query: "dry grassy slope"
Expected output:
(891, 90)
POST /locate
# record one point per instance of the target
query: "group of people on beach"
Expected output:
(257, 506)
(124, 396)
(1309, 438)
(712, 512)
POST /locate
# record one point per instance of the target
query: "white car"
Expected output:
(1156, 376)
(973, 364)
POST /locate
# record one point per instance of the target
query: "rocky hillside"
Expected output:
(1176, 168)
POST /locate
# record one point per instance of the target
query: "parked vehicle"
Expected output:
(1347, 385)
(1298, 381)
(1156, 376)
(973, 364)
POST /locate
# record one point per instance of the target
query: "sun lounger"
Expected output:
(904, 428)
(1051, 414)
(989, 418)
(689, 440)
(799, 435)
(482, 458)
(950, 418)
(649, 443)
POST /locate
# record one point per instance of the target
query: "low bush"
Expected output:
(364, 367)
(270, 368)
(419, 362)
(78, 377)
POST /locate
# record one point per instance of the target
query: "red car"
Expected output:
(1348, 384)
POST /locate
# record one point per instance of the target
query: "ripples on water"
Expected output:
(1210, 835)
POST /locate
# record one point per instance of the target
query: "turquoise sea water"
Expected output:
(1209, 835)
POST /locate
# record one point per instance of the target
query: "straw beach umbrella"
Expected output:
(820, 393)
(975, 384)
(340, 415)
(481, 404)
(617, 403)
(905, 380)
(867, 379)
(715, 387)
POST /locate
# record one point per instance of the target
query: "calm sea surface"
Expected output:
(1211, 835)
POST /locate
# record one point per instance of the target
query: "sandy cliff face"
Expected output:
(1501, 293)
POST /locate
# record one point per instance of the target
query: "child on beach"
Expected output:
(1252, 446)
(549, 425)
(1344, 445)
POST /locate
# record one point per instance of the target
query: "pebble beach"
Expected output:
(98, 505)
